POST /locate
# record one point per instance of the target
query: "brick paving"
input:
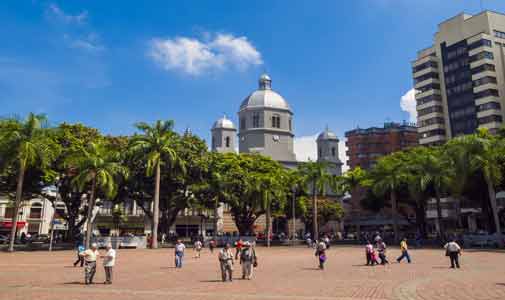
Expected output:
(283, 273)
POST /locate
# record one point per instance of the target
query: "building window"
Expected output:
(242, 123)
(36, 211)
(213, 142)
(290, 124)
(227, 142)
(484, 80)
(489, 106)
(429, 64)
(480, 43)
(487, 93)
(483, 68)
(490, 119)
(276, 121)
(499, 34)
(481, 55)
(320, 152)
(9, 212)
(333, 151)
(430, 110)
(256, 120)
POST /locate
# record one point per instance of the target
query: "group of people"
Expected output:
(89, 257)
(244, 253)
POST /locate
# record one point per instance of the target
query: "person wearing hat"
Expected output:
(226, 262)
(405, 251)
(90, 256)
(248, 260)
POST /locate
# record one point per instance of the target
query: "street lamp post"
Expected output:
(294, 215)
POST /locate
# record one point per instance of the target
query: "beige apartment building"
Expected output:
(460, 79)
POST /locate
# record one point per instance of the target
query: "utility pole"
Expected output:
(294, 215)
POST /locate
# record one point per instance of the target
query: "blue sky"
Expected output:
(110, 64)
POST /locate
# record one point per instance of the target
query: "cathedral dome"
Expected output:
(223, 123)
(327, 135)
(265, 97)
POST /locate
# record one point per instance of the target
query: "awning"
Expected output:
(8, 224)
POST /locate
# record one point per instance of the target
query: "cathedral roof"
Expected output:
(327, 135)
(265, 96)
(223, 123)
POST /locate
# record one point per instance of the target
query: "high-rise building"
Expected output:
(460, 79)
(365, 146)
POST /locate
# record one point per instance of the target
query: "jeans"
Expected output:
(405, 254)
(383, 258)
(178, 259)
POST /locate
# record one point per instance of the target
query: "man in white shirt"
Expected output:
(198, 248)
(179, 253)
(226, 262)
(90, 256)
(453, 250)
(109, 260)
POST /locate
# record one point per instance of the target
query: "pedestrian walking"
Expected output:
(80, 248)
(212, 245)
(381, 249)
(248, 261)
(179, 253)
(109, 260)
(238, 247)
(453, 250)
(90, 256)
(321, 254)
(405, 251)
(198, 248)
(326, 241)
(369, 253)
(226, 262)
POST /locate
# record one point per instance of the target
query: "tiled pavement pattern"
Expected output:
(283, 274)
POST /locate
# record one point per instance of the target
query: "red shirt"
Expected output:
(239, 244)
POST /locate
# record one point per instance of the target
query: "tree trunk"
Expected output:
(269, 224)
(315, 228)
(89, 218)
(421, 218)
(439, 215)
(17, 205)
(394, 214)
(156, 208)
(494, 207)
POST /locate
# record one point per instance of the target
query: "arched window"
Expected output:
(290, 124)
(213, 142)
(333, 151)
(227, 142)
(256, 120)
(320, 152)
(276, 121)
(242, 123)
(36, 211)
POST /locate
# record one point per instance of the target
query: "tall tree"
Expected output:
(98, 167)
(25, 145)
(156, 146)
(388, 177)
(316, 178)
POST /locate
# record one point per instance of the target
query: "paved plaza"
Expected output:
(283, 273)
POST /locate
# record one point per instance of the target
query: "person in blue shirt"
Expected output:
(80, 259)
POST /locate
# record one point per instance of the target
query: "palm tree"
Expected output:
(25, 145)
(349, 183)
(387, 177)
(434, 169)
(316, 177)
(98, 165)
(486, 154)
(156, 145)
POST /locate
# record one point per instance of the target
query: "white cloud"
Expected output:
(58, 13)
(193, 56)
(305, 148)
(90, 42)
(408, 104)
